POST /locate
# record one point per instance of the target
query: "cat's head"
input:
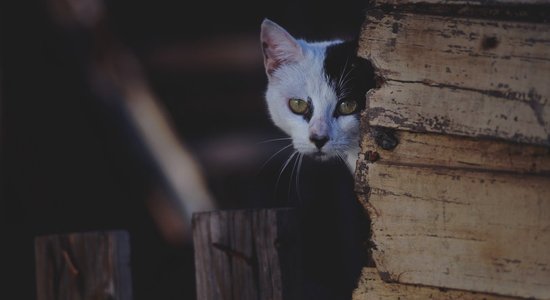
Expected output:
(315, 92)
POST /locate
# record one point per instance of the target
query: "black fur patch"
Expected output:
(351, 75)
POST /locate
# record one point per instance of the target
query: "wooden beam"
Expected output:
(438, 150)
(372, 287)
(247, 254)
(82, 266)
(460, 76)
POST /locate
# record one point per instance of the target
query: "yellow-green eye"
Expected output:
(347, 107)
(298, 106)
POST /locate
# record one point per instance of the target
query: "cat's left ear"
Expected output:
(279, 46)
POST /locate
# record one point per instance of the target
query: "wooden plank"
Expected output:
(92, 265)
(461, 76)
(372, 287)
(480, 231)
(438, 150)
(247, 254)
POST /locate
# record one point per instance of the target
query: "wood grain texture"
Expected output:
(247, 254)
(473, 230)
(438, 150)
(443, 151)
(83, 266)
(372, 287)
(461, 76)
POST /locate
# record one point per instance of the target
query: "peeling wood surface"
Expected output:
(372, 287)
(437, 150)
(443, 151)
(460, 76)
(485, 231)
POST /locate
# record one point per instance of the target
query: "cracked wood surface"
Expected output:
(438, 150)
(372, 287)
(460, 76)
(247, 254)
(459, 213)
(478, 231)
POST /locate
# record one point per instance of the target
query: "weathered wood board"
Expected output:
(247, 254)
(462, 204)
(82, 266)
(437, 150)
(458, 213)
(372, 287)
(460, 76)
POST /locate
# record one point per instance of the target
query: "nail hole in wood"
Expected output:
(489, 42)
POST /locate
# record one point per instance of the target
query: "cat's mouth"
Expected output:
(320, 155)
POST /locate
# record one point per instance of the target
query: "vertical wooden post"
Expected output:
(248, 254)
(92, 265)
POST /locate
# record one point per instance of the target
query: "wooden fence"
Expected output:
(240, 254)
(78, 266)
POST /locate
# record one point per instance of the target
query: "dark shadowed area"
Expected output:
(74, 158)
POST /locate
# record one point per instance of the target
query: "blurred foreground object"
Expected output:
(117, 79)
(82, 266)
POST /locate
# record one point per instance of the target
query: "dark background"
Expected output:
(67, 164)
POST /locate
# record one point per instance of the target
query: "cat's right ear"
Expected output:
(279, 46)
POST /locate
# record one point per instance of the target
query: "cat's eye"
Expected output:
(298, 106)
(347, 107)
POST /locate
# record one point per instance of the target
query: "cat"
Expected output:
(315, 92)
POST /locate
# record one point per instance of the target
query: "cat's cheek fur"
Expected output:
(278, 110)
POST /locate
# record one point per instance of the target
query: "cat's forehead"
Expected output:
(326, 73)
(330, 59)
(339, 59)
(312, 74)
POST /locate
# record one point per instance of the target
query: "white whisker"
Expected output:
(342, 159)
(342, 73)
(342, 84)
(291, 175)
(300, 157)
(274, 140)
(344, 93)
(283, 169)
(272, 156)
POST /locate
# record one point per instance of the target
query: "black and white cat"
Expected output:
(315, 92)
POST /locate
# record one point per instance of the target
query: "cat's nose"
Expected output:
(319, 141)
